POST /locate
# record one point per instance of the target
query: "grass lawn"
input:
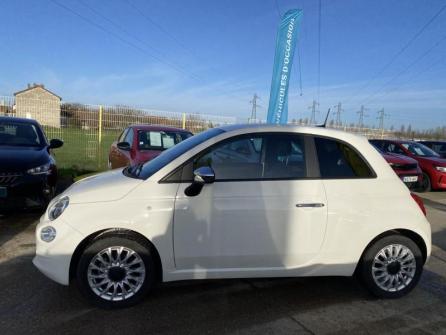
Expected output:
(81, 152)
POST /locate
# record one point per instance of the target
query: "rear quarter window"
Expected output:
(340, 160)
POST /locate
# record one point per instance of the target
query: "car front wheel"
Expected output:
(426, 185)
(392, 266)
(116, 271)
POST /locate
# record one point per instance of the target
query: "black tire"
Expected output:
(130, 242)
(365, 267)
(426, 185)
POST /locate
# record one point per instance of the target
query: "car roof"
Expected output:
(393, 140)
(158, 128)
(435, 141)
(18, 120)
(322, 131)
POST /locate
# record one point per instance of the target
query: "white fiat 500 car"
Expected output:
(238, 201)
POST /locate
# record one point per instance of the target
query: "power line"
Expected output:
(416, 74)
(402, 49)
(123, 40)
(277, 8)
(419, 58)
(126, 32)
(319, 51)
(159, 27)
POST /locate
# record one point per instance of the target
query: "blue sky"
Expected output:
(216, 54)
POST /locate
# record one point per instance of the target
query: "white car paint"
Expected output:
(239, 229)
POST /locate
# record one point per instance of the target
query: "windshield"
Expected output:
(149, 168)
(160, 140)
(419, 150)
(20, 134)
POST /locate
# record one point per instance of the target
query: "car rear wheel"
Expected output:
(116, 271)
(426, 185)
(392, 266)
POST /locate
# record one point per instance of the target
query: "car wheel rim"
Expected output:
(394, 267)
(116, 273)
(425, 182)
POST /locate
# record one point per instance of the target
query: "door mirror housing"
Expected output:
(123, 146)
(55, 143)
(203, 175)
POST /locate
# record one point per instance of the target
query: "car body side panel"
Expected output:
(147, 210)
(368, 209)
(249, 224)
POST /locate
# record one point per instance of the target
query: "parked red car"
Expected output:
(141, 143)
(432, 165)
(405, 167)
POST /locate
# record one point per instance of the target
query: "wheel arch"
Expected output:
(113, 231)
(415, 237)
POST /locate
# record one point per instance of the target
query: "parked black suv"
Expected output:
(438, 146)
(28, 172)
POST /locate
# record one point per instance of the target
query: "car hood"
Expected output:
(106, 186)
(20, 159)
(147, 155)
(438, 161)
(398, 159)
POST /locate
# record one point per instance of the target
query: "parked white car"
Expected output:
(238, 201)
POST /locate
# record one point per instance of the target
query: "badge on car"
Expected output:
(410, 179)
(3, 192)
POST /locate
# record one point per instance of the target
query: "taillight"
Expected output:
(419, 202)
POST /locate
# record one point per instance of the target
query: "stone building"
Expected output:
(37, 102)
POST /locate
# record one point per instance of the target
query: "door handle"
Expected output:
(311, 205)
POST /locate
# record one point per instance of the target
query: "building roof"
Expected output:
(31, 87)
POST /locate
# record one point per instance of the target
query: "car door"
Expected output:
(114, 151)
(266, 209)
(123, 157)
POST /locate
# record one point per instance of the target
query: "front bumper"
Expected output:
(439, 180)
(53, 258)
(25, 191)
(408, 176)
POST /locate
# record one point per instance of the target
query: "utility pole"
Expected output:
(253, 102)
(381, 116)
(338, 112)
(362, 115)
(314, 110)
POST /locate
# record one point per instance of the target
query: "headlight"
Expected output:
(42, 169)
(440, 168)
(48, 233)
(58, 208)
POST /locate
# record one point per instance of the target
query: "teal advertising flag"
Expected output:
(283, 59)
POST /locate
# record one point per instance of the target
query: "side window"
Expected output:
(238, 158)
(122, 136)
(393, 148)
(129, 137)
(285, 157)
(339, 160)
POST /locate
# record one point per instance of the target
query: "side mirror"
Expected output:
(55, 143)
(123, 146)
(203, 175)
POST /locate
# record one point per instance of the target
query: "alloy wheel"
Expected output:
(393, 267)
(116, 273)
